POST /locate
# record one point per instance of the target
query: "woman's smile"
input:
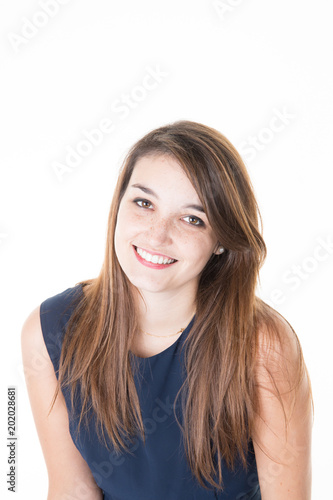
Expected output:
(156, 261)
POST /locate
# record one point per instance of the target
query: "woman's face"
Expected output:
(160, 217)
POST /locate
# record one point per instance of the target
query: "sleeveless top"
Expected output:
(157, 470)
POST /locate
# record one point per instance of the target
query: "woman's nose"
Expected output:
(159, 232)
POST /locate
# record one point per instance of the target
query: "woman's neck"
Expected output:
(165, 314)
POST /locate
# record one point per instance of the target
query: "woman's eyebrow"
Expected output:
(152, 193)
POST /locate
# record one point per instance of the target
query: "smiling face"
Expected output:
(160, 216)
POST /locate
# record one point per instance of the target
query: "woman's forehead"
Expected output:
(161, 173)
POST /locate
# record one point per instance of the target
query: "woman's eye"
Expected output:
(194, 221)
(145, 203)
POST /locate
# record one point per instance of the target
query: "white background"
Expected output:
(233, 68)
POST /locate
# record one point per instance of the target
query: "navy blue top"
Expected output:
(159, 469)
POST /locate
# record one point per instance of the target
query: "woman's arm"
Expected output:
(286, 472)
(68, 472)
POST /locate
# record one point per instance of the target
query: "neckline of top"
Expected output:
(173, 345)
(159, 354)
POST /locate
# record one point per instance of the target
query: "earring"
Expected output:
(221, 249)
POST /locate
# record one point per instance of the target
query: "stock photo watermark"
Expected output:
(291, 452)
(280, 120)
(299, 273)
(222, 8)
(31, 27)
(11, 438)
(121, 107)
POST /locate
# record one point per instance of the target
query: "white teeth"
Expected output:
(155, 259)
(145, 255)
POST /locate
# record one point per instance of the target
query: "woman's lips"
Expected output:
(151, 264)
(154, 253)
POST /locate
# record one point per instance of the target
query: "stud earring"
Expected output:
(221, 249)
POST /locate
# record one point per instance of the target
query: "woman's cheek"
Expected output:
(139, 220)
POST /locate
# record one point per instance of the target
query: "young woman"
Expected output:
(168, 377)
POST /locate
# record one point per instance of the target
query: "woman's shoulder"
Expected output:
(31, 333)
(56, 309)
(43, 328)
(280, 364)
(282, 424)
(60, 301)
(276, 337)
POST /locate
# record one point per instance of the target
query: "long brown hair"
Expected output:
(219, 396)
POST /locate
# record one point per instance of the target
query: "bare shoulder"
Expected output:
(70, 475)
(31, 322)
(280, 367)
(283, 423)
(31, 326)
(34, 352)
(278, 338)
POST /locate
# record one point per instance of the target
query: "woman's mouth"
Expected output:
(152, 259)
